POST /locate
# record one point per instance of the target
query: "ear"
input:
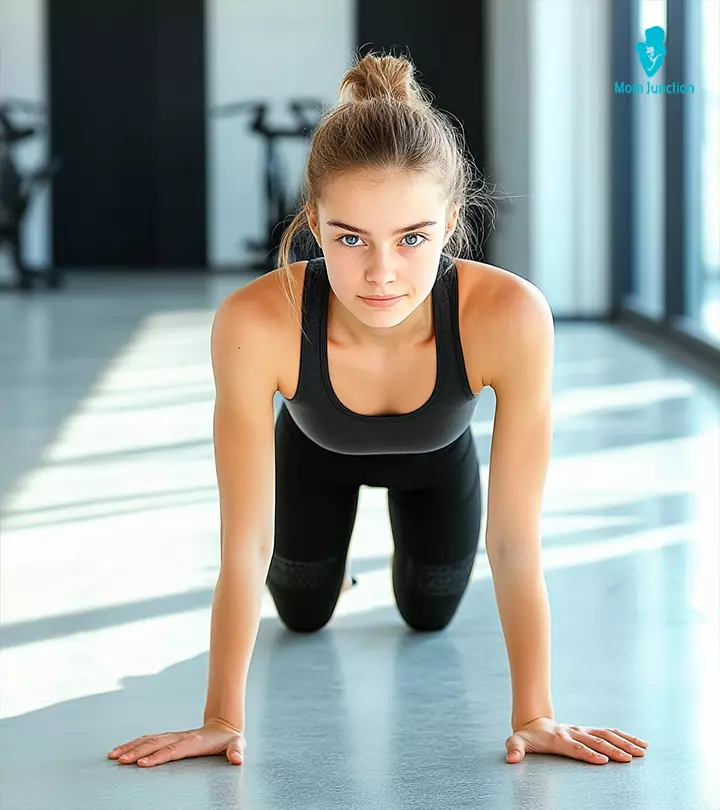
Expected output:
(451, 222)
(311, 214)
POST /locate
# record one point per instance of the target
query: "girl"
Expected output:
(380, 348)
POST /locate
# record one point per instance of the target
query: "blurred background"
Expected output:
(150, 153)
(170, 136)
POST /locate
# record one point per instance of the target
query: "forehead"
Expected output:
(382, 191)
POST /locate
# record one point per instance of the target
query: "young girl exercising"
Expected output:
(379, 349)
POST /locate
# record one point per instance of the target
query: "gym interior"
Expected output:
(150, 152)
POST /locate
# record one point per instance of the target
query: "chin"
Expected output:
(387, 317)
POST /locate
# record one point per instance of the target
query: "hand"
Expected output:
(595, 745)
(215, 737)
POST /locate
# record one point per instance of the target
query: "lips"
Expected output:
(381, 303)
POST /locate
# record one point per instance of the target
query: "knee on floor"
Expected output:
(427, 624)
(304, 624)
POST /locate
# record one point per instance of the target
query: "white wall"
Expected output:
(274, 50)
(23, 75)
(569, 142)
(549, 138)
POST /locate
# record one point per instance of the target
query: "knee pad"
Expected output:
(297, 575)
(305, 593)
(428, 596)
(449, 579)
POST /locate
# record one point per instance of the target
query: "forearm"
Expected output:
(235, 621)
(524, 611)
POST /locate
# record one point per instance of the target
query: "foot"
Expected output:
(349, 581)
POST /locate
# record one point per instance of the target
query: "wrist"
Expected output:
(518, 720)
(237, 727)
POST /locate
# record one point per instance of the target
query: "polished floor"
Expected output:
(109, 556)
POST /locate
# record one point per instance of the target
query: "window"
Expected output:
(704, 260)
(648, 261)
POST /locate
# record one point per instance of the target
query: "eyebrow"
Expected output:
(336, 224)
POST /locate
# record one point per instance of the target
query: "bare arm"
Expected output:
(243, 433)
(519, 459)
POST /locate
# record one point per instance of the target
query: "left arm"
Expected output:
(519, 458)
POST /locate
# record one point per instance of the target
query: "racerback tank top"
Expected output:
(323, 418)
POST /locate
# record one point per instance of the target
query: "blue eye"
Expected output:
(417, 235)
(347, 236)
(355, 236)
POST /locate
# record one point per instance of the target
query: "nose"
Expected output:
(380, 272)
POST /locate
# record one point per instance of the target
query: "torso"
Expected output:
(369, 381)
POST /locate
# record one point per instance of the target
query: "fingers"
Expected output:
(235, 752)
(611, 743)
(623, 742)
(636, 740)
(598, 744)
(148, 747)
(515, 748)
(121, 749)
(234, 756)
(577, 750)
(174, 750)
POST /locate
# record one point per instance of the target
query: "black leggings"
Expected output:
(434, 505)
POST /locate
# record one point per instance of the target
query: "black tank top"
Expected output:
(320, 415)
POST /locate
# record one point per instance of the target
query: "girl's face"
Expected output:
(382, 235)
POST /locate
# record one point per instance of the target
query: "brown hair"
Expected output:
(385, 120)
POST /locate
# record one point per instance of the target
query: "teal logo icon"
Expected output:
(652, 51)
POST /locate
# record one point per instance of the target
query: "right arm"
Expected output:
(244, 366)
(243, 435)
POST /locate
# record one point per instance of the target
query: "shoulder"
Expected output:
(260, 312)
(507, 317)
(493, 291)
(264, 303)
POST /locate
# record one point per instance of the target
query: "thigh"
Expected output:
(436, 531)
(315, 511)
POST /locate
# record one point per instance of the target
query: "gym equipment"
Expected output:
(16, 189)
(277, 198)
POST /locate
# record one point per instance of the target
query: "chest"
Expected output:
(381, 383)
(373, 383)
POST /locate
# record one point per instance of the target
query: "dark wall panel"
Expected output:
(446, 43)
(127, 106)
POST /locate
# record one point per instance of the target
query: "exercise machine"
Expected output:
(17, 190)
(280, 203)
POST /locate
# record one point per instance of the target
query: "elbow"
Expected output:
(518, 556)
(239, 550)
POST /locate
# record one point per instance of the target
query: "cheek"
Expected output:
(345, 290)
(343, 287)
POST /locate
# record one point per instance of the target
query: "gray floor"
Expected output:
(110, 555)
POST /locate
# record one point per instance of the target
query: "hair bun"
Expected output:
(389, 77)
